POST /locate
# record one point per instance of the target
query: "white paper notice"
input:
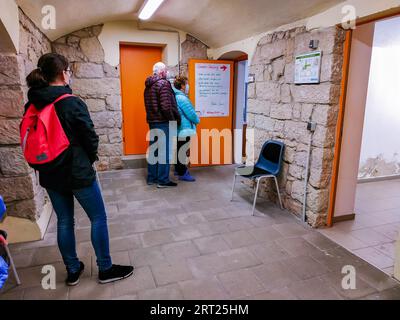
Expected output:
(213, 85)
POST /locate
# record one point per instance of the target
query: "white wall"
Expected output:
(9, 27)
(382, 120)
(114, 33)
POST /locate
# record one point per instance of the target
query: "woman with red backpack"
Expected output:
(60, 143)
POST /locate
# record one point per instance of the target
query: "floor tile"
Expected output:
(241, 283)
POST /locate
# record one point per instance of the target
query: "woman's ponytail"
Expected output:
(36, 79)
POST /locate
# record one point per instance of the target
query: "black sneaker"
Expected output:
(73, 278)
(115, 273)
(167, 185)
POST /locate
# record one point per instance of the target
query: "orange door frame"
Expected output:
(339, 129)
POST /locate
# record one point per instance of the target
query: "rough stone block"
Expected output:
(297, 190)
(11, 103)
(289, 72)
(327, 41)
(258, 71)
(320, 157)
(265, 40)
(274, 50)
(281, 111)
(23, 209)
(11, 70)
(193, 49)
(16, 188)
(9, 131)
(259, 107)
(12, 162)
(110, 150)
(325, 115)
(326, 93)
(114, 103)
(296, 131)
(251, 91)
(71, 53)
(289, 154)
(278, 67)
(96, 88)
(268, 91)
(279, 127)
(296, 171)
(264, 123)
(104, 120)
(324, 137)
(317, 200)
(286, 96)
(96, 105)
(92, 49)
(88, 70)
(320, 178)
(72, 40)
(306, 112)
(115, 137)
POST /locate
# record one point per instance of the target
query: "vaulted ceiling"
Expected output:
(216, 22)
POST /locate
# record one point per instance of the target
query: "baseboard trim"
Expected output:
(347, 217)
(378, 179)
(134, 162)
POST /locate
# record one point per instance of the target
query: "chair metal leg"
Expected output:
(233, 187)
(13, 266)
(255, 196)
(279, 193)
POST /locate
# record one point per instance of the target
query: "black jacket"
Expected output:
(73, 169)
(159, 98)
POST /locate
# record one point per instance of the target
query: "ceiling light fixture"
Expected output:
(149, 8)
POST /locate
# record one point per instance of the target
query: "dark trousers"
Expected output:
(158, 169)
(92, 202)
(181, 166)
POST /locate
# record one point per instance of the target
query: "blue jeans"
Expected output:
(91, 201)
(158, 170)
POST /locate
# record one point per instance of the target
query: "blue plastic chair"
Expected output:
(268, 166)
(3, 243)
(2, 208)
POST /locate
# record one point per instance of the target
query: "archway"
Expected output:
(240, 101)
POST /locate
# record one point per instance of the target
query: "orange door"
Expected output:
(136, 65)
(204, 151)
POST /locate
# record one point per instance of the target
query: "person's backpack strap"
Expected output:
(64, 96)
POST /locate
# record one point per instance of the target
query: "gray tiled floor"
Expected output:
(372, 235)
(193, 243)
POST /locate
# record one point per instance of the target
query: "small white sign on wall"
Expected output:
(308, 68)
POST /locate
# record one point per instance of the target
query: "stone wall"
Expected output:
(98, 84)
(18, 185)
(192, 49)
(278, 109)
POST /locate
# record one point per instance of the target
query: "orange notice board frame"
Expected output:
(218, 123)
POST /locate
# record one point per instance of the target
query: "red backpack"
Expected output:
(42, 137)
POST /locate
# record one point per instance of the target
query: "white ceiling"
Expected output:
(216, 22)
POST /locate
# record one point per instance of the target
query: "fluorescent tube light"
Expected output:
(149, 8)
